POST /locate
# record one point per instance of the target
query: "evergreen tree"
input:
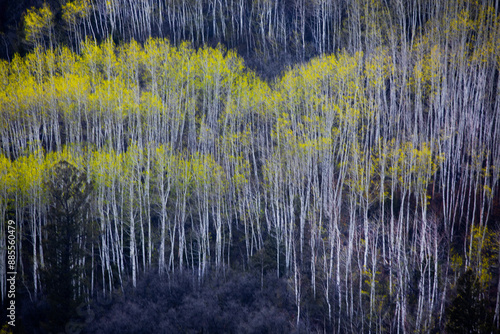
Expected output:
(65, 238)
(468, 313)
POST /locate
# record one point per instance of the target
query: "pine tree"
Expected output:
(65, 238)
(468, 313)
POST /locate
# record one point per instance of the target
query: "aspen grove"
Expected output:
(365, 176)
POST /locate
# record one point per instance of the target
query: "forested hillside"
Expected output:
(345, 180)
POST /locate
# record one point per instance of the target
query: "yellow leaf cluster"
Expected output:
(37, 21)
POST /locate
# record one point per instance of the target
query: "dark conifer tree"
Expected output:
(65, 234)
(468, 313)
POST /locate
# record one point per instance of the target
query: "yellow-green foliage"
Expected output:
(74, 10)
(428, 71)
(313, 109)
(483, 253)
(314, 86)
(241, 172)
(413, 167)
(456, 262)
(378, 68)
(206, 171)
(105, 167)
(37, 22)
(28, 171)
(68, 154)
(6, 329)
(7, 181)
(113, 98)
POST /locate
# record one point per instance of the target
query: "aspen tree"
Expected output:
(38, 25)
(164, 179)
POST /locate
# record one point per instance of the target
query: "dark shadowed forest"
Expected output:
(250, 166)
